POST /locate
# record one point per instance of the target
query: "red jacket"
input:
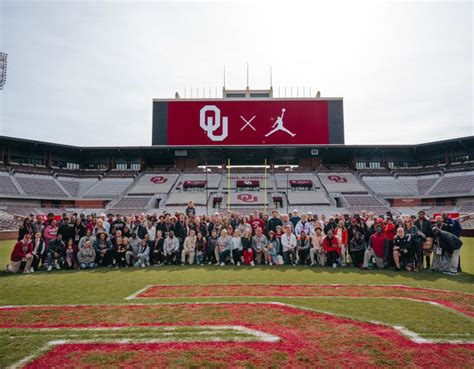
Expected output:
(345, 237)
(333, 245)
(389, 231)
(17, 253)
(377, 242)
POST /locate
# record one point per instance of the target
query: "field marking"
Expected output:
(414, 337)
(258, 335)
(134, 295)
(402, 286)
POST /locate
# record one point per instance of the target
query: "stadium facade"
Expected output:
(301, 140)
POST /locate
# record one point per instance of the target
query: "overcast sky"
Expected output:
(85, 73)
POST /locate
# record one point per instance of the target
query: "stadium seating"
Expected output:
(390, 186)
(132, 202)
(7, 187)
(150, 184)
(42, 186)
(455, 183)
(182, 198)
(307, 198)
(107, 188)
(342, 182)
(425, 183)
(213, 179)
(248, 199)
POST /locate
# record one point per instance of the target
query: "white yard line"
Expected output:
(258, 336)
(134, 295)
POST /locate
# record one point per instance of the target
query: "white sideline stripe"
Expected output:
(259, 335)
(262, 336)
(134, 295)
(404, 331)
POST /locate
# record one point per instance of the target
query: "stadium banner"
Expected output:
(194, 184)
(301, 183)
(247, 122)
(248, 183)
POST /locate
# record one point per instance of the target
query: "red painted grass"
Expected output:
(461, 302)
(308, 339)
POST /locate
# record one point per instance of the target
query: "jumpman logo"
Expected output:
(278, 126)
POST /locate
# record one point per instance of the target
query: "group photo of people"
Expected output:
(412, 243)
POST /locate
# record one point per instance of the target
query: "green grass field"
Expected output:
(110, 286)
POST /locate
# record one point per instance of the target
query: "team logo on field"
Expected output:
(246, 197)
(210, 124)
(158, 179)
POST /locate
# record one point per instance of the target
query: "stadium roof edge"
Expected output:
(65, 146)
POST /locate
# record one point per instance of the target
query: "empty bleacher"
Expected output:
(7, 187)
(77, 187)
(307, 198)
(42, 186)
(132, 202)
(342, 182)
(357, 203)
(182, 198)
(150, 184)
(109, 187)
(425, 183)
(455, 183)
(389, 186)
(213, 179)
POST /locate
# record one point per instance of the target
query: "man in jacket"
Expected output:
(86, 256)
(55, 252)
(22, 251)
(189, 248)
(378, 243)
(451, 246)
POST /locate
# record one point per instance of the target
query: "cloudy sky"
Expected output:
(85, 73)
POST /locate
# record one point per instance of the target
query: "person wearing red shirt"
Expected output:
(389, 231)
(257, 222)
(22, 251)
(378, 243)
(333, 250)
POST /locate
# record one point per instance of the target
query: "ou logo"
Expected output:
(246, 197)
(337, 179)
(210, 124)
(158, 179)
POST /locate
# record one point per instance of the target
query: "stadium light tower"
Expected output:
(3, 69)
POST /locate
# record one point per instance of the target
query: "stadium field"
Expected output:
(172, 316)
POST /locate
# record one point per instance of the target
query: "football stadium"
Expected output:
(245, 234)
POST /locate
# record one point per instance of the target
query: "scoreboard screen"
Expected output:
(229, 122)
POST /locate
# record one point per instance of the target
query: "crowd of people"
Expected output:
(366, 240)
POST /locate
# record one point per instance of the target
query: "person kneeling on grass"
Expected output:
(288, 244)
(247, 247)
(378, 243)
(259, 241)
(403, 251)
(171, 248)
(86, 256)
(302, 246)
(236, 247)
(22, 252)
(189, 248)
(55, 252)
(225, 246)
(143, 256)
(333, 250)
(272, 255)
(451, 246)
(103, 249)
(357, 249)
(201, 249)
